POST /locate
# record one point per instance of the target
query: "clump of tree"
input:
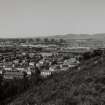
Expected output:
(62, 41)
(97, 52)
(46, 40)
(87, 55)
(91, 54)
(50, 41)
(38, 40)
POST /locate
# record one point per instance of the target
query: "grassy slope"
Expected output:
(83, 87)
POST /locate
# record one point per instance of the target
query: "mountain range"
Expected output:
(99, 36)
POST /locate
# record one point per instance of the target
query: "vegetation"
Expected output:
(38, 40)
(11, 88)
(50, 41)
(84, 86)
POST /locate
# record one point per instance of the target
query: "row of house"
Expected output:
(17, 65)
(56, 64)
(24, 63)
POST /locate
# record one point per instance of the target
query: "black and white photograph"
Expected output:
(52, 52)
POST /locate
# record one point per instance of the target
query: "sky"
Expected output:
(33, 18)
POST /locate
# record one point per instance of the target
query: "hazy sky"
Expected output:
(22, 18)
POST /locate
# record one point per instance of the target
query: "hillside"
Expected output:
(100, 36)
(84, 86)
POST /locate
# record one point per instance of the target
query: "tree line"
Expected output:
(50, 41)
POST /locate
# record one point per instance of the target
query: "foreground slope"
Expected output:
(84, 86)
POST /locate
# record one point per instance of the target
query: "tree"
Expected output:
(87, 55)
(61, 41)
(53, 40)
(46, 40)
(38, 40)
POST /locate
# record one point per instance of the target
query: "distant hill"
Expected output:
(80, 36)
(100, 36)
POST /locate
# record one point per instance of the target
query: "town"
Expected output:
(23, 60)
(15, 64)
(25, 65)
